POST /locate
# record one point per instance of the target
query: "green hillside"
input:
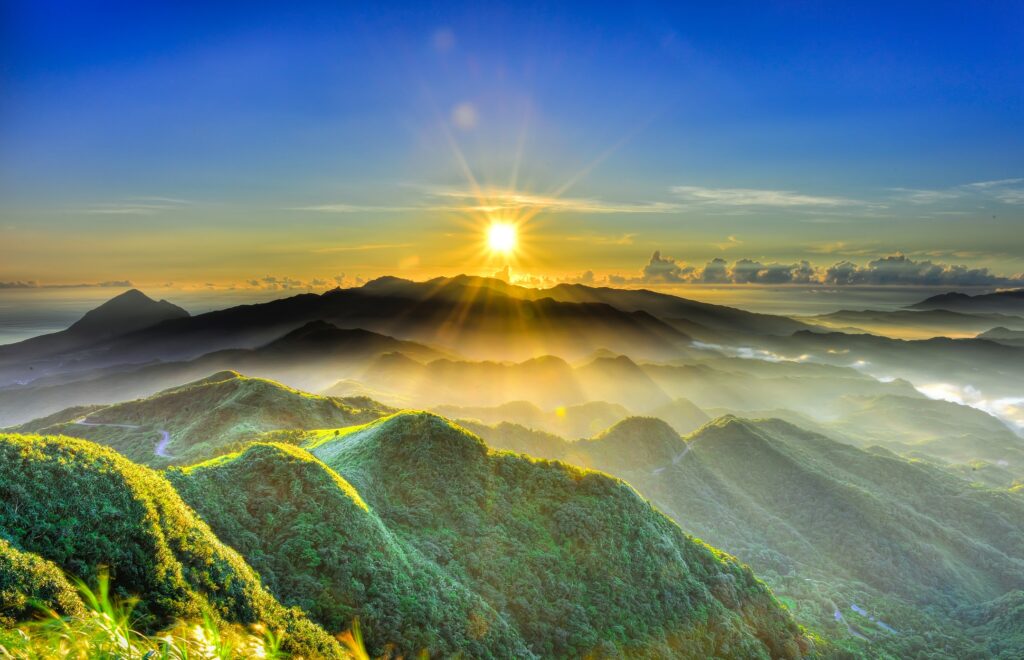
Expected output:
(28, 582)
(196, 421)
(832, 528)
(318, 546)
(82, 507)
(574, 560)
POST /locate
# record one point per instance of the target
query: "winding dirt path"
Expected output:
(161, 447)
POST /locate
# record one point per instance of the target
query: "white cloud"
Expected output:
(757, 197)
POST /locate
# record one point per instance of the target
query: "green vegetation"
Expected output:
(83, 507)
(205, 418)
(28, 583)
(574, 560)
(830, 527)
(318, 546)
(103, 627)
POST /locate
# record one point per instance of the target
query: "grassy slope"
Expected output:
(82, 506)
(28, 582)
(208, 417)
(318, 546)
(574, 559)
(828, 525)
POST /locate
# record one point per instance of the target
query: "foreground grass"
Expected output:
(106, 631)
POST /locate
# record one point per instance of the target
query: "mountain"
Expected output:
(318, 546)
(832, 528)
(81, 507)
(493, 325)
(576, 421)
(1000, 302)
(1004, 336)
(475, 317)
(310, 357)
(573, 560)
(700, 319)
(682, 415)
(546, 381)
(204, 418)
(917, 324)
(948, 431)
(122, 314)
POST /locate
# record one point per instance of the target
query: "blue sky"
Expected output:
(179, 142)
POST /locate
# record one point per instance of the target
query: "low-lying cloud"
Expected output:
(896, 269)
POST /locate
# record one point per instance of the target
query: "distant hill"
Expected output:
(576, 421)
(204, 418)
(574, 560)
(122, 314)
(1000, 302)
(949, 431)
(918, 323)
(310, 357)
(1004, 336)
(494, 321)
(82, 507)
(827, 525)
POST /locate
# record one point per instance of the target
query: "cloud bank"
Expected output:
(895, 269)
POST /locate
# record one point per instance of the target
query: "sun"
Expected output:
(502, 238)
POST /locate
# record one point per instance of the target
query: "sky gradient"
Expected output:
(177, 145)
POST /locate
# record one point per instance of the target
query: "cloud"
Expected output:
(729, 243)
(1006, 191)
(272, 283)
(135, 206)
(496, 199)
(901, 269)
(32, 284)
(665, 270)
(361, 248)
(757, 197)
(896, 269)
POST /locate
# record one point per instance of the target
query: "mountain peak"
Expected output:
(125, 312)
(640, 442)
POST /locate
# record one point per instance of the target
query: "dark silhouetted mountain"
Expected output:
(310, 357)
(122, 314)
(1004, 336)
(1000, 302)
(917, 324)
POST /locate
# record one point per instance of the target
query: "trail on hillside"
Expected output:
(675, 460)
(161, 447)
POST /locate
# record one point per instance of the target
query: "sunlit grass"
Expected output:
(108, 630)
